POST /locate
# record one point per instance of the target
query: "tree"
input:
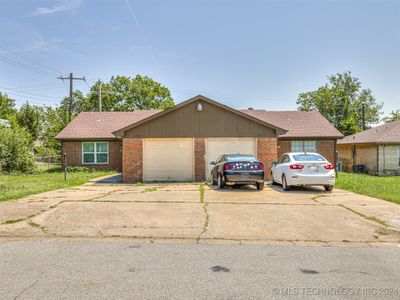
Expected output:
(393, 116)
(124, 93)
(341, 101)
(16, 151)
(55, 121)
(30, 117)
(7, 106)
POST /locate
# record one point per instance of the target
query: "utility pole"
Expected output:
(363, 116)
(99, 95)
(71, 78)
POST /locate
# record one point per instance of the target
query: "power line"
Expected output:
(26, 67)
(40, 86)
(25, 93)
(31, 60)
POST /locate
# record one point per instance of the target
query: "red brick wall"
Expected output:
(199, 161)
(324, 147)
(132, 157)
(73, 149)
(267, 153)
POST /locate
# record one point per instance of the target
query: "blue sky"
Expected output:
(258, 54)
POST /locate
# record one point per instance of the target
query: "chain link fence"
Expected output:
(48, 162)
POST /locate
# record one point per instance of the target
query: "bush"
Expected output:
(16, 151)
(78, 169)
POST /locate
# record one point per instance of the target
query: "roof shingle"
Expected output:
(300, 124)
(384, 134)
(95, 125)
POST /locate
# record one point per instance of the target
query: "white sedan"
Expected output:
(303, 168)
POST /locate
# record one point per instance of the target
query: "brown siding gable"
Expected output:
(121, 132)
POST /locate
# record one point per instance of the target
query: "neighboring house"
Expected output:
(179, 143)
(377, 148)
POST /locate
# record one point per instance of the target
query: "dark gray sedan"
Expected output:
(230, 169)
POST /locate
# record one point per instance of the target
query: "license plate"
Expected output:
(315, 169)
(244, 174)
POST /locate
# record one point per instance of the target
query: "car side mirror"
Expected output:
(213, 163)
(274, 163)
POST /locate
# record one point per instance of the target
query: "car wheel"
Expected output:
(260, 186)
(220, 183)
(272, 178)
(328, 188)
(284, 183)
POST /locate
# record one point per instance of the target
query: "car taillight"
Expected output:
(329, 167)
(261, 166)
(227, 167)
(296, 167)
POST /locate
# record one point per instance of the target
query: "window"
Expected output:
(308, 157)
(304, 146)
(239, 157)
(95, 153)
(399, 156)
(285, 159)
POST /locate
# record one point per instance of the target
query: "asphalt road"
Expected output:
(127, 270)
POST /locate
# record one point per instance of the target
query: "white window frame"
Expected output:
(398, 151)
(95, 153)
(303, 142)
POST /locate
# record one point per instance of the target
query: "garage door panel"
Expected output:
(168, 160)
(218, 146)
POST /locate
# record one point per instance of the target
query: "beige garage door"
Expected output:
(168, 160)
(217, 146)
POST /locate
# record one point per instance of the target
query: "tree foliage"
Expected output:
(341, 101)
(16, 149)
(393, 116)
(31, 118)
(7, 106)
(123, 93)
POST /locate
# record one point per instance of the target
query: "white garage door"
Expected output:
(217, 146)
(168, 160)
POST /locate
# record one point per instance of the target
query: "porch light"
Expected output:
(199, 107)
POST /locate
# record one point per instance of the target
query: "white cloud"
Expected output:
(66, 5)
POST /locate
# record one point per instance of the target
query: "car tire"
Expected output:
(328, 188)
(260, 186)
(285, 186)
(213, 181)
(220, 183)
(272, 178)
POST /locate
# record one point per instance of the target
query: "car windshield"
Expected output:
(308, 157)
(240, 158)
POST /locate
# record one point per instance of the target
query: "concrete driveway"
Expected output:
(196, 213)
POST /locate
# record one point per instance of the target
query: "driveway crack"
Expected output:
(206, 215)
(29, 286)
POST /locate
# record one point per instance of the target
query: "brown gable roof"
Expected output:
(384, 134)
(300, 124)
(96, 125)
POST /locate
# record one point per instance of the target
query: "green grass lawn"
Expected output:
(386, 188)
(17, 186)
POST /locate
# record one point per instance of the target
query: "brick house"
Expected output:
(179, 143)
(378, 149)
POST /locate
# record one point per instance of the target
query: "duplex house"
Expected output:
(378, 149)
(179, 143)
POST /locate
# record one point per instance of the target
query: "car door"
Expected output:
(277, 171)
(285, 166)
